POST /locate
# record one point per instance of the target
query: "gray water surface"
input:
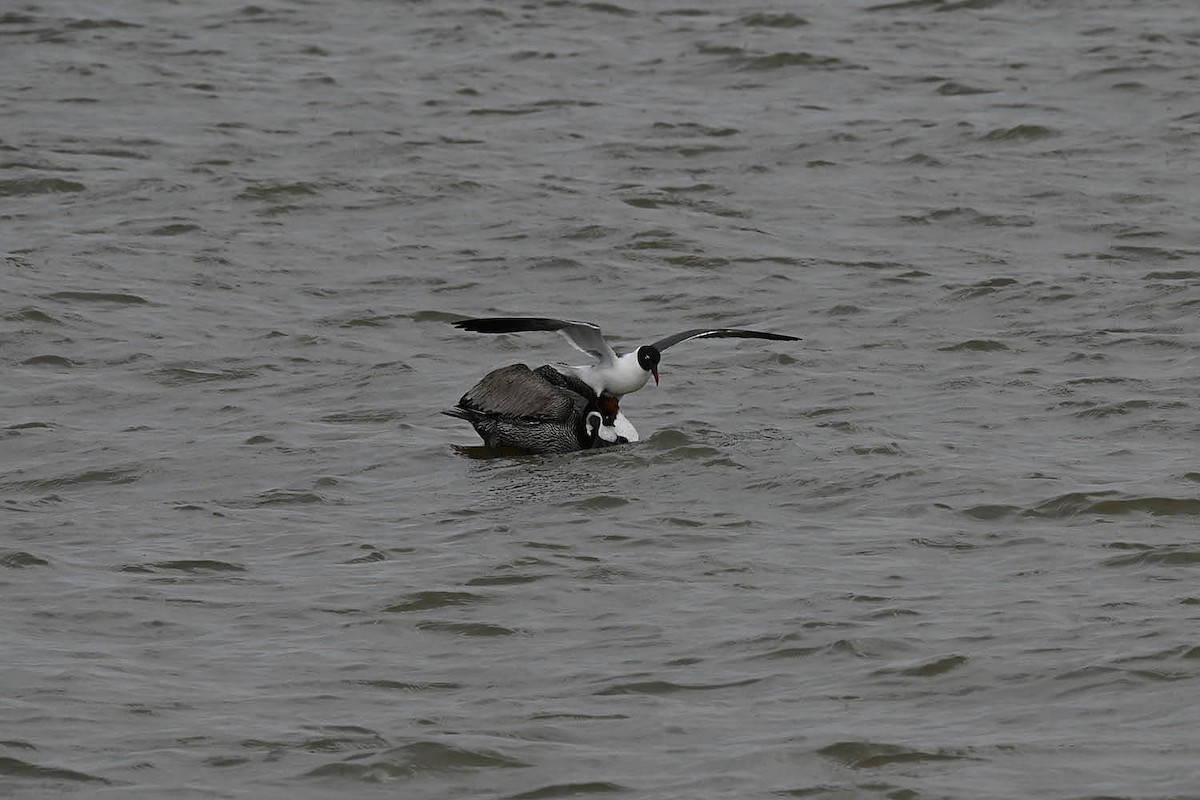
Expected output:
(944, 547)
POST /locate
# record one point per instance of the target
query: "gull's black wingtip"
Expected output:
(509, 324)
(479, 324)
(740, 333)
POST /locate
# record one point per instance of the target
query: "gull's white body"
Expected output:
(618, 375)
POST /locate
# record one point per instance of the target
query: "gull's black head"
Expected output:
(648, 358)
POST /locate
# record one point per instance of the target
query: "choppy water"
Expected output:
(944, 547)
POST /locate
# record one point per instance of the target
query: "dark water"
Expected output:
(944, 547)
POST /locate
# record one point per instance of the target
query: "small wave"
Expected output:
(599, 502)
(610, 8)
(19, 559)
(766, 20)
(98, 24)
(866, 754)
(1157, 506)
(48, 361)
(189, 566)
(1170, 655)
(693, 129)
(506, 579)
(687, 203)
(981, 289)
(288, 497)
(992, 511)
(975, 346)
(1126, 407)
(929, 668)
(669, 687)
(84, 478)
(31, 314)
(1021, 133)
(531, 108)
(427, 601)
(16, 768)
(786, 60)
(278, 191)
(364, 416)
(1174, 275)
(414, 759)
(466, 628)
(935, 5)
(1129, 252)
(866, 647)
(1171, 555)
(1075, 503)
(884, 449)
(954, 89)
(174, 229)
(406, 686)
(951, 542)
(124, 298)
(569, 790)
(25, 187)
(968, 216)
(791, 651)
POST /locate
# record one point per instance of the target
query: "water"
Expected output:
(944, 547)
